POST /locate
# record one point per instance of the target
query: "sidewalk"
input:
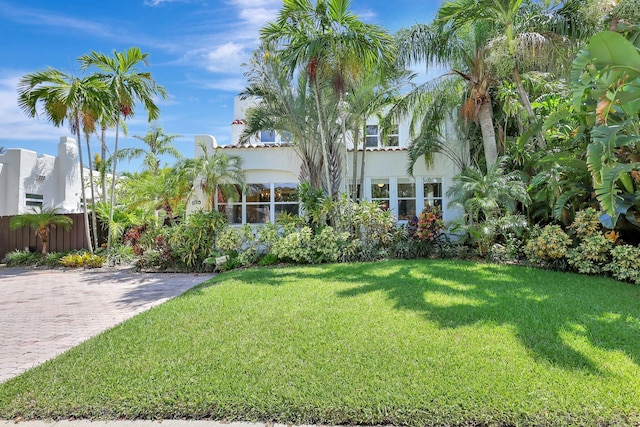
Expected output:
(46, 312)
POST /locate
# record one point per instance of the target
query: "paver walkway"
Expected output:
(46, 312)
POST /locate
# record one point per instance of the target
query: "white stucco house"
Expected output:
(28, 180)
(272, 168)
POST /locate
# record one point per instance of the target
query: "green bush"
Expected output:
(22, 258)
(586, 223)
(296, 246)
(52, 259)
(591, 255)
(548, 247)
(625, 263)
(193, 241)
(119, 254)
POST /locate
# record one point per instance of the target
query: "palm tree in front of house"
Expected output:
(157, 144)
(63, 97)
(41, 220)
(214, 174)
(126, 86)
(328, 43)
(431, 103)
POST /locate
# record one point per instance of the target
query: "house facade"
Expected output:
(272, 168)
(28, 180)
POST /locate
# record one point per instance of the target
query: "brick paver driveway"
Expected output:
(46, 312)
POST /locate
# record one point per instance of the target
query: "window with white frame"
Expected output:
(432, 191)
(380, 192)
(285, 199)
(232, 208)
(372, 137)
(261, 203)
(267, 136)
(406, 198)
(393, 138)
(258, 203)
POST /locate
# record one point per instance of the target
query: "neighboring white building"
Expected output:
(272, 167)
(28, 180)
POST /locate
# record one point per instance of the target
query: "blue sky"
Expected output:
(195, 47)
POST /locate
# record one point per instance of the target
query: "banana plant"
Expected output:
(606, 86)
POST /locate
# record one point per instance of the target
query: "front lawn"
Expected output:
(400, 342)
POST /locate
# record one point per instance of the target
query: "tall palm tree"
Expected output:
(429, 103)
(157, 144)
(63, 97)
(326, 41)
(41, 220)
(284, 105)
(126, 85)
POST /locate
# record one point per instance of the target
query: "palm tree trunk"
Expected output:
(87, 228)
(103, 153)
(94, 222)
(485, 117)
(323, 140)
(524, 100)
(356, 137)
(43, 233)
(364, 151)
(113, 182)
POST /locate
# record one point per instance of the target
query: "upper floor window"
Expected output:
(373, 137)
(267, 136)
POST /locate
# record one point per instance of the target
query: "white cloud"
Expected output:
(38, 17)
(232, 84)
(226, 58)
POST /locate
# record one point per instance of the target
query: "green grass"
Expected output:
(402, 342)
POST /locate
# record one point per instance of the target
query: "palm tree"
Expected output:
(326, 41)
(41, 220)
(214, 174)
(165, 190)
(522, 43)
(283, 104)
(158, 143)
(431, 102)
(126, 85)
(63, 97)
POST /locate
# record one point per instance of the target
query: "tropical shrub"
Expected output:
(625, 263)
(53, 259)
(193, 241)
(296, 246)
(591, 255)
(267, 235)
(85, 260)
(119, 255)
(18, 258)
(548, 247)
(586, 223)
(430, 224)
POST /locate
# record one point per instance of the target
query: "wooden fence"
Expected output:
(59, 238)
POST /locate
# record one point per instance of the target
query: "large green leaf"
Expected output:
(611, 48)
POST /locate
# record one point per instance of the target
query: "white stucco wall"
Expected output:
(56, 179)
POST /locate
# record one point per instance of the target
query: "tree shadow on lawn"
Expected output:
(540, 305)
